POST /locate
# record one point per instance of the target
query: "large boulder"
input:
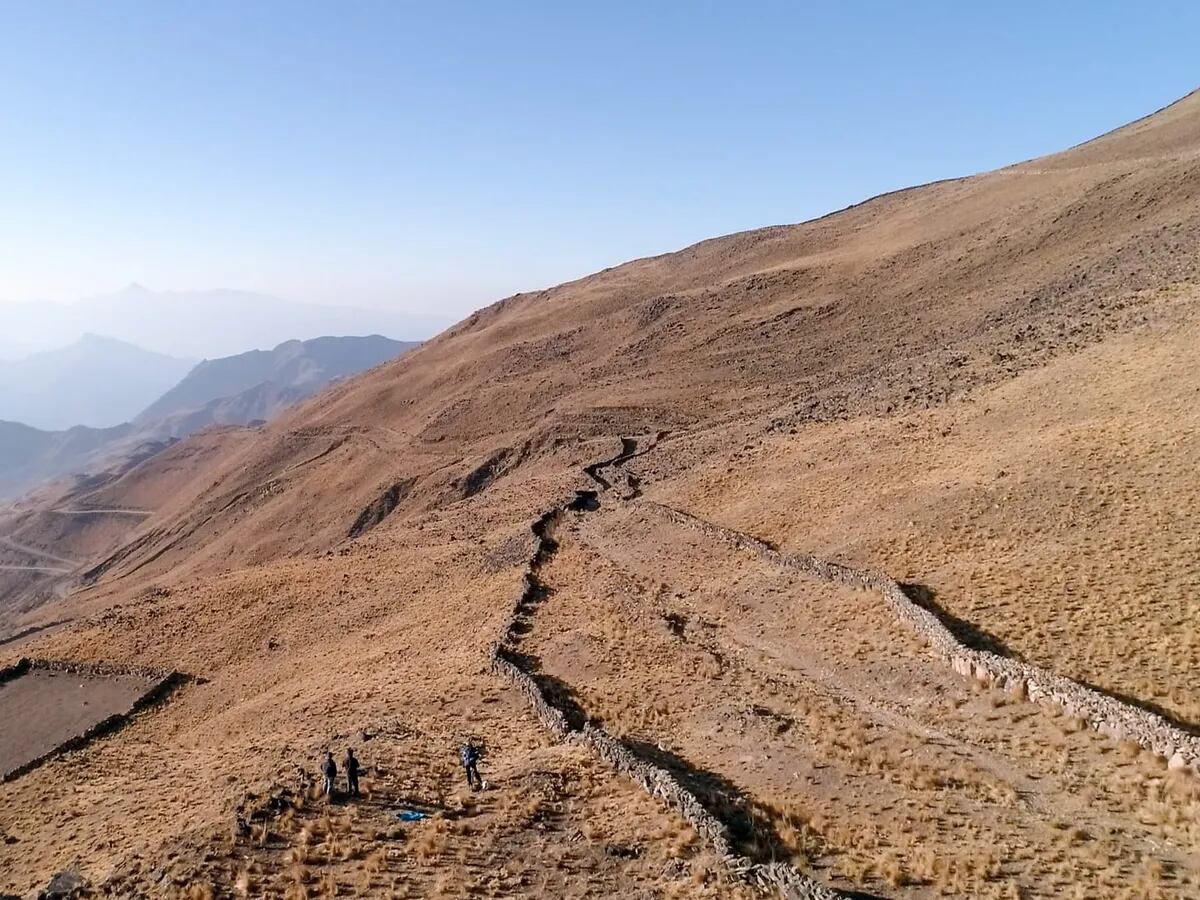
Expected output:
(66, 885)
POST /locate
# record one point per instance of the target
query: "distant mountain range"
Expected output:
(292, 370)
(237, 390)
(97, 382)
(29, 455)
(194, 324)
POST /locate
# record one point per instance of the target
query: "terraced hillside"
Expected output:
(983, 388)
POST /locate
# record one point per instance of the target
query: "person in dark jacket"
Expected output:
(469, 754)
(329, 771)
(350, 764)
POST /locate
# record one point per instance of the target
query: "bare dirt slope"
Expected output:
(43, 709)
(983, 386)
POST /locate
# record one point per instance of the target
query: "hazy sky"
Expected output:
(443, 155)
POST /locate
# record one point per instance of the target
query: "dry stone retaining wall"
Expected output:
(101, 670)
(1121, 721)
(1105, 714)
(160, 685)
(789, 883)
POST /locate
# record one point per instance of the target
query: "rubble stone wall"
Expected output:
(781, 878)
(159, 685)
(1105, 714)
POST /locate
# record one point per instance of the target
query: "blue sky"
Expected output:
(439, 156)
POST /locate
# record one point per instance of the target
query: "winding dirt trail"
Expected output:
(49, 570)
(34, 551)
(85, 511)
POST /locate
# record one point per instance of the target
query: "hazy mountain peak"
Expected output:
(98, 381)
(200, 324)
(296, 366)
(100, 341)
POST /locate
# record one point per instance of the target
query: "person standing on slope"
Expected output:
(350, 763)
(329, 771)
(469, 754)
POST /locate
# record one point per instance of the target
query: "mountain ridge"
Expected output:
(297, 365)
(246, 389)
(984, 387)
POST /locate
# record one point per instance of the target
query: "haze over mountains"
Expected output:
(684, 498)
(297, 367)
(96, 382)
(104, 374)
(195, 324)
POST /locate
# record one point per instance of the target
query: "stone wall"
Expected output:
(1105, 714)
(102, 670)
(159, 685)
(16, 670)
(550, 716)
(781, 878)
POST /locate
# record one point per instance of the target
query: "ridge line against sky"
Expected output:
(434, 160)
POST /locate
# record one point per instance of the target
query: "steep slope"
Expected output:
(900, 303)
(984, 387)
(98, 382)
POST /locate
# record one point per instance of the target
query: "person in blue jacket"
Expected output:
(469, 753)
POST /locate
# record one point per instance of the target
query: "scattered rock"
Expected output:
(623, 851)
(1177, 763)
(63, 886)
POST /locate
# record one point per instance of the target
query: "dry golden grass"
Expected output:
(870, 790)
(983, 386)
(1048, 510)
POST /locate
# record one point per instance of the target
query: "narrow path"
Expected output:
(86, 511)
(48, 569)
(34, 551)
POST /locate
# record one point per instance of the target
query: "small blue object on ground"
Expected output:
(410, 815)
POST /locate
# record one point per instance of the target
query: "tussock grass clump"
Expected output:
(327, 886)
(431, 842)
(244, 883)
(299, 854)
